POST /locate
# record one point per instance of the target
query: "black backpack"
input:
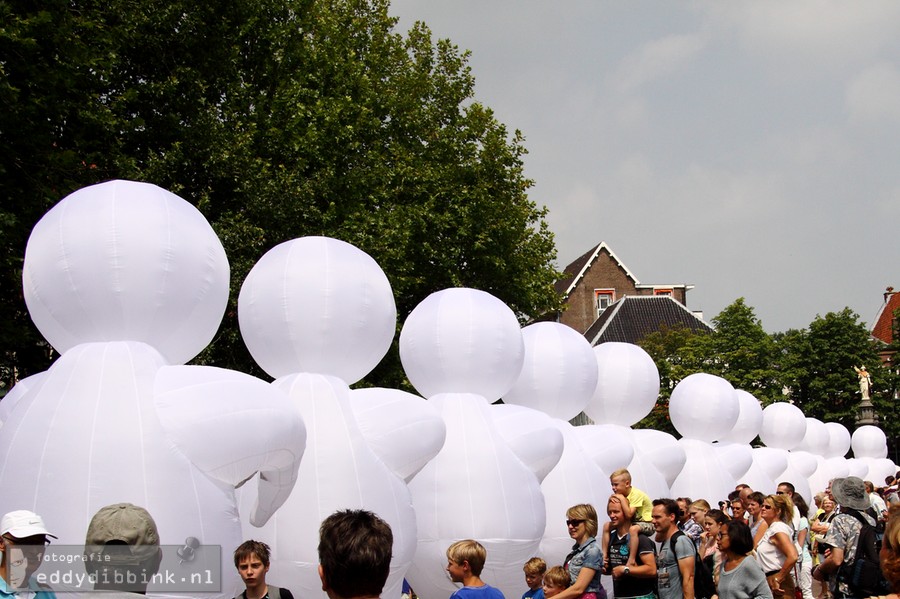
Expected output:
(704, 586)
(863, 575)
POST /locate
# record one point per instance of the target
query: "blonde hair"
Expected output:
(586, 512)
(535, 566)
(470, 551)
(621, 472)
(701, 504)
(557, 577)
(784, 508)
(890, 556)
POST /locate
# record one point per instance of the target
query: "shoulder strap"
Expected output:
(672, 541)
(274, 593)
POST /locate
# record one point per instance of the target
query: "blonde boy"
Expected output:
(534, 578)
(465, 560)
(637, 507)
(556, 580)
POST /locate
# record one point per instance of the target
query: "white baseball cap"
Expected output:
(22, 523)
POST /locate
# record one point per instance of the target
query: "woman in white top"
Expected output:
(776, 552)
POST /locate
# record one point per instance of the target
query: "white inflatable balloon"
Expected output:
(783, 426)
(559, 371)
(704, 407)
(858, 467)
(11, 399)
(403, 429)
(704, 475)
(164, 282)
(531, 435)
(663, 451)
(627, 385)
(839, 440)
(749, 421)
(127, 280)
(608, 445)
(868, 441)
(737, 457)
(816, 439)
(320, 305)
(462, 341)
(774, 462)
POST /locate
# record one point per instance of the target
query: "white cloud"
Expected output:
(874, 95)
(656, 59)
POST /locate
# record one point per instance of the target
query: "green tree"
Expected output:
(277, 119)
(819, 363)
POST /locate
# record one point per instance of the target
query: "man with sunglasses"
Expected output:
(23, 537)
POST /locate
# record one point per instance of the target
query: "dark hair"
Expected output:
(757, 497)
(670, 505)
(740, 541)
(355, 552)
(788, 485)
(734, 496)
(801, 505)
(718, 515)
(248, 548)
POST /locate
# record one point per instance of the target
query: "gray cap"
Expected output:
(130, 527)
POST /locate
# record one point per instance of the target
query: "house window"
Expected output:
(603, 298)
(663, 292)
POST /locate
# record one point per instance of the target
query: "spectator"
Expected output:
(355, 548)
(535, 568)
(776, 551)
(251, 559)
(465, 561)
(123, 542)
(686, 524)
(628, 581)
(23, 538)
(739, 578)
(675, 565)
(585, 562)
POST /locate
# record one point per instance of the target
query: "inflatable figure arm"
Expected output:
(402, 429)
(231, 426)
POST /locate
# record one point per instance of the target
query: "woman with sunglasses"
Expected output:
(776, 552)
(585, 563)
(740, 577)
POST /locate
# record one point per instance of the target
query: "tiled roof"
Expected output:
(574, 271)
(885, 318)
(633, 317)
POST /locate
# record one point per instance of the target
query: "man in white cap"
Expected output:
(124, 541)
(23, 537)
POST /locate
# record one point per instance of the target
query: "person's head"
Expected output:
(23, 538)
(818, 498)
(534, 572)
(850, 493)
(251, 559)
(684, 507)
(890, 549)
(777, 507)
(665, 512)
(616, 512)
(746, 492)
(801, 505)
(621, 481)
(785, 488)
(754, 503)
(556, 580)
(123, 541)
(465, 557)
(713, 521)
(889, 480)
(828, 504)
(581, 521)
(870, 487)
(698, 510)
(354, 554)
(734, 537)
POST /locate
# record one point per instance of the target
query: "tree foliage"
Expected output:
(278, 119)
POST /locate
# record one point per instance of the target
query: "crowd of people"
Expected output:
(754, 546)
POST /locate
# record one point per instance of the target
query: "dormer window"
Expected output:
(603, 298)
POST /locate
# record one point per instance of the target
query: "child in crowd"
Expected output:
(251, 559)
(556, 580)
(534, 578)
(465, 560)
(638, 509)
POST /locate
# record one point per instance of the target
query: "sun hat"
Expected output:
(850, 492)
(23, 523)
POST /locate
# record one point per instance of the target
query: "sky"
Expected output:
(751, 149)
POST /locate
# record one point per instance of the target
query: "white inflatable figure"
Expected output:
(463, 349)
(531, 435)
(703, 408)
(838, 446)
(12, 398)
(127, 281)
(627, 389)
(783, 429)
(869, 445)
(815, 444)
(734, 447)
(558, 377)
(318, 314)
(772, 461)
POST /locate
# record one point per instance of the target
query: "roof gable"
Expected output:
(574, 272)
(883, 327)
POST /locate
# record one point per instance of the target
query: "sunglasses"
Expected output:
(721, 535)
(574, 523)
(766, 507)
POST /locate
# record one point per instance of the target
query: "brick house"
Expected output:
(597, 287)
